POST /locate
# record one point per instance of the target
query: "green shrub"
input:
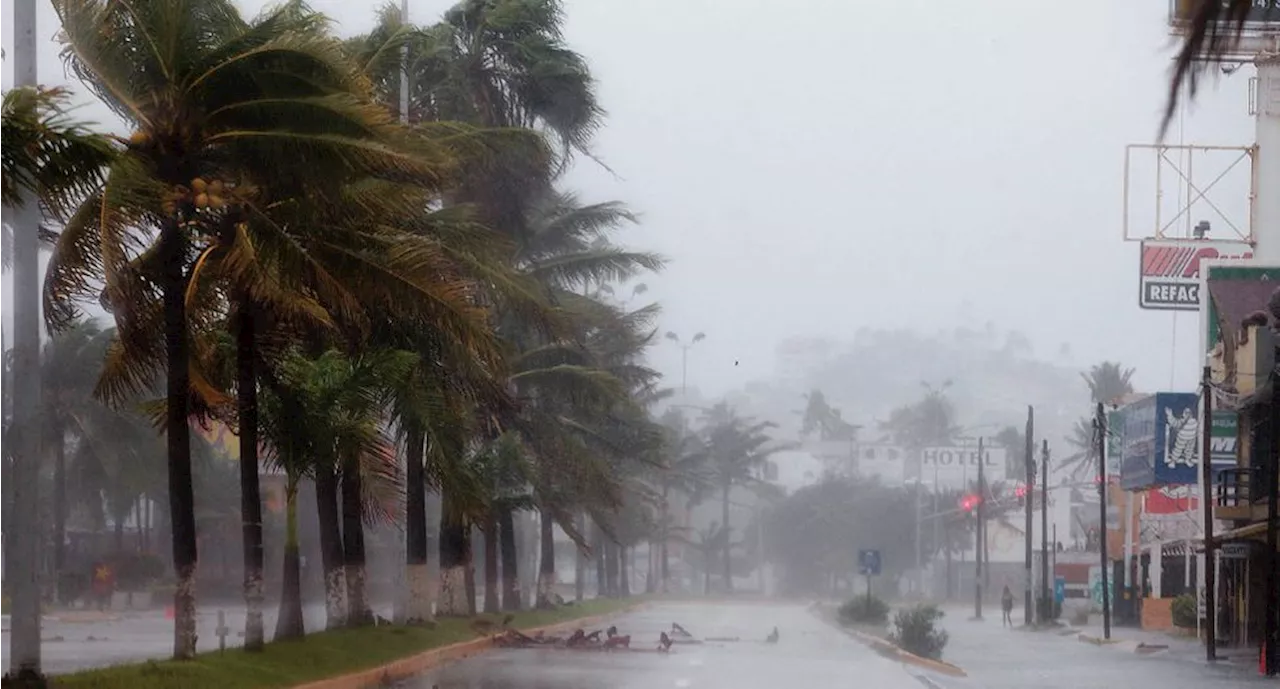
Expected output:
(864, 610)
(1185, 611)
(914, 631)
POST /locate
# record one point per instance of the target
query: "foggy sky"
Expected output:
(812, 167)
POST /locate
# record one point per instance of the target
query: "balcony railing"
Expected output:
(1234, 487)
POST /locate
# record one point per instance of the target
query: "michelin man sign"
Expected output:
(1178, 440)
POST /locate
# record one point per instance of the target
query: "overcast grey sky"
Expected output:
(814, 166)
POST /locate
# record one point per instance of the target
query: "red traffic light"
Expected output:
(1022, 491)
(968, 502)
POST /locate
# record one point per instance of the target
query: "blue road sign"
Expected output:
(869, 562)
(1060, 589)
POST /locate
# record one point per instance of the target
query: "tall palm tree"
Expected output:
(737, 451)
(213, 141)
(1108, 381)
(210, 132)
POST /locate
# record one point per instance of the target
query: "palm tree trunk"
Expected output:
(469, 573)
(728, 538)
(178, 436)
(510, 559)
(610, 568)
(59, 509)
(289, 624)
(455, 549)
(546, 562)
(602, 575)
(335, 589)
(664, 574)
(250, 491)
(415, 532)
(491, 578)
(624, 573)
(358, 613)
(580, 563)
(651, 569)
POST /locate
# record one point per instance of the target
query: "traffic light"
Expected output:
(1021, 492)
(969, 502)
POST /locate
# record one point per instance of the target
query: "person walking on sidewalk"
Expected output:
(1006, 605)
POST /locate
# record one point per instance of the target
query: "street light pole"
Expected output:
(684, 357)
(1030, 462)
(978, 537)
(22, 561)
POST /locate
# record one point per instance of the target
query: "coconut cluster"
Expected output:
(204, 194)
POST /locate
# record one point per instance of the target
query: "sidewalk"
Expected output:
(999, 657)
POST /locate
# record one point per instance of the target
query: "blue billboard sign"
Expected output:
(1178, 440)
(1138, 444)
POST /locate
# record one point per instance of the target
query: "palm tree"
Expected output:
(50, 156)
(1108, 382)
(737, 451)
(326, 412)
(1211, 32)
(70, 363)
(1083, 460)
(821, 418)
(210, 136)
(929, 421)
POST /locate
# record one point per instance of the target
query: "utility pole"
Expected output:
(1044, 532)
(1271, 612)
(1029, 460)
(1206, 510)
(978, 539)
(1100, 428)
(23, 559)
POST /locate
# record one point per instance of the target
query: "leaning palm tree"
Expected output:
(210, 133)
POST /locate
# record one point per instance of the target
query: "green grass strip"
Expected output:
(318, 656)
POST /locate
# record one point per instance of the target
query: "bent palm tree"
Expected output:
(221, 107)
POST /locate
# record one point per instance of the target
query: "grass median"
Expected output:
(318, 656)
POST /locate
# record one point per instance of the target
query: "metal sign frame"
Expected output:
(1195, 193)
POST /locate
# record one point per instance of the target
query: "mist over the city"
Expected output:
(591, 343)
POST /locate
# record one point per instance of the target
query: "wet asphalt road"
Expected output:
(810, 655)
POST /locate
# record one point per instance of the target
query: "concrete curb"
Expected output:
(1126, 645)
(887, 649)
(405, 668)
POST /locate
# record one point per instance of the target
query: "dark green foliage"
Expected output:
(1185, 611)
(864, 610)
(914, 631)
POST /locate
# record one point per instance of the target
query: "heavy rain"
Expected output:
(592, 344)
